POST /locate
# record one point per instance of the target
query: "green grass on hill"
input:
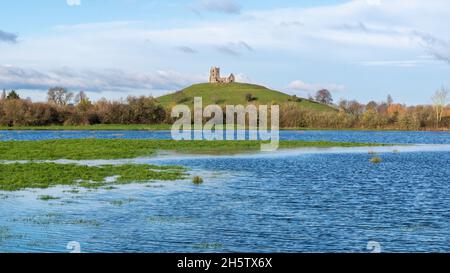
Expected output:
(234, 94)
(80, 149)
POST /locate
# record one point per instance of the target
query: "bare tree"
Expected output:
(59, 95)
(389, 100)
(372, 105)
(324, 96)
(355, 108)
(439, 100)
(81, 97)
(3, 96)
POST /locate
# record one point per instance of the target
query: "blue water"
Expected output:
(400, 137)
(324, 200)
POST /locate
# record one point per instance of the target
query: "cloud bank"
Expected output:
(95, 81)
(272, 45)
(8, 37)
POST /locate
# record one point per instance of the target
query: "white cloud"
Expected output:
(313, 87)
(392, 25)
(240, 77)
(73, 2)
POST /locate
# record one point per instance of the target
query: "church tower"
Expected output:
(214, 76)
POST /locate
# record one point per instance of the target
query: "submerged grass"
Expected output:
(122, 202)
(87, 149)
(43, 175)
(47, 197)
(17, 176)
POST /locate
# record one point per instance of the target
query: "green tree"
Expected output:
(13, 95)
(324, 96)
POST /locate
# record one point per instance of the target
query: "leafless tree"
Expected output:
(59, 96)
(389, 100)
(81, 97)
(439, 100)
(3, 96)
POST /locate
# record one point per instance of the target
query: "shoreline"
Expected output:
(167, 127)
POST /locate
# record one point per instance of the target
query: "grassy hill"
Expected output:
(235, 94)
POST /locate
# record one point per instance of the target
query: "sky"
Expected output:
(357, 49)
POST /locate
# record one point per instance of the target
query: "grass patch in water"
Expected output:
(208, 245)
(6, 234)
(376, 160)
(158, 219)
(73, 191)
(84, 222)
(4, 196)
(19, 176)
(56, 219)
(197, 180)
(47, 197)
(87, 149)
(122, 202)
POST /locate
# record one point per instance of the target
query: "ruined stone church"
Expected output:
(214, 76)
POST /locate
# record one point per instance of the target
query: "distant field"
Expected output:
(235, 94)
(97, 127)
(162, 127)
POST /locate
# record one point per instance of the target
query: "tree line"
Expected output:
(373, 115)
(66, 108)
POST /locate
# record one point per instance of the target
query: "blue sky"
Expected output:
(360, 49)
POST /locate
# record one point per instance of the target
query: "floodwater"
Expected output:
(302, 200)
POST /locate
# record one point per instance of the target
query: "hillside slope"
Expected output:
(234, 94)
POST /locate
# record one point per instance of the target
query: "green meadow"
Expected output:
(33, 174)
(19, 176)
(89, 149)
